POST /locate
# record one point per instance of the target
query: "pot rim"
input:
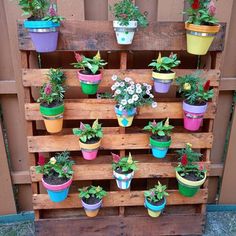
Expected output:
(203, 28)
(57, 187)
(163, 76)
(154, 208)
(90, 146)
(132, 24)
(161, 144)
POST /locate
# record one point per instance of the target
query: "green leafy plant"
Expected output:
(105, 95)
(157, 193)
(52, 15)
(187, 165)
(92, 191)
(165, 63)
(193, 90)
(129, 95)
(87, 132)
(125, 11)
(201, 12)
(159, 129)
(124, 163)
(92, 66)
(53, 91)
(60, 164)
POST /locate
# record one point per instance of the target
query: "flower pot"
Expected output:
(57, 193)
(125, 117)
(162, 81)
(200, 38)
(123, 180)
(44, 34)
(153, 210)
(193, 116)
(53, 117)
(125, 33)
(159, 149)
(188, 188)
(89, 83)
(90, 150)
(91, 210)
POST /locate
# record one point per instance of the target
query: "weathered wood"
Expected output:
(99, 35)
(104, 109)
(8, 87)
(117, 198)
(54, 143)
(20, 177)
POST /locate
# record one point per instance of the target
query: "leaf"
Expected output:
(95, 124)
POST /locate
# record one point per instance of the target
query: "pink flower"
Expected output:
(41, 160)
(115, 157)
(201, 166)
(152, 193)
(212, 8)
(48, 89)
(51, 11)
(82, 126)
(123, 15)
(154, 123)
(78, 57)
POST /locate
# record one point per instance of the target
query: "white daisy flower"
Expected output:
(118, 91)
(131, 92)
(135, 97)
(132, 83)
(123, 102)
(138, 86)
(154, 104)
(113, 87)
(122, 84)
(145, 84)
(117, 84)
(149, 87)
(151, 96)
(130, 101)
(138, 90)
(114, 77)
(127, 79)
(148, 92)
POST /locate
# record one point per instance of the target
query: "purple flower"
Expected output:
(51, 11)
(65, 169)
(152, 193)
(48, 89)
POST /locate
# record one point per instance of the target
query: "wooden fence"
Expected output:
(11, 94)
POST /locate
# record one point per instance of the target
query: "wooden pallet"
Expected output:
(123, 212)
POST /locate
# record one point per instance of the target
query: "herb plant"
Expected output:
(90, 65)
(157, 193)
(187, 165)
(165, 63)
(125, 11)
(193, 89)
(92, 191)
(129, 95)
(60, 164)
(87, 132)
(124, 163)
(159, 129)
(53, 91)
(201, 12)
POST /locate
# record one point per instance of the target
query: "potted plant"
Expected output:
(162, 73)
(89, 139)
(129, 96)
(155, 199)
(51, 101)
(42, 24)
(91, 199)
(90, 76)
(123, 170)
(57, 175)
(189, 174)
(196, 94)
(160, 139)
(127, 18)
(201, 26)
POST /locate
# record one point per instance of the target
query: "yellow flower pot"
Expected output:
(163, 76)
(92, 213)
(53, 124)
(154, 213)
(128, 120)
(90, 146)
(200, 38)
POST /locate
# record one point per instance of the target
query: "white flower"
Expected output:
(131, 91)
(114, 77)
(123, 102)
(113, 87)
(130, 101)
(120, 108)
(117, 84)
(127, 79)
(135, 97)
(148, 92)
(151, 96)
(154, 105)
(132, 83)
(145, 84)
(149, 87)
(138, 86)
(118, 91)
(122, 84)
(138, 90)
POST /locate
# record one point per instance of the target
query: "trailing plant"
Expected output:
(125, 11)
(53, 91)
(193, 89)
(201, 12)
(157, 193)
(165, 63)
(91, 65)
(159, 129)
(60, 164)
(92, 191)
(124, 163)
(129, 95)
(87, 132)
(187, 164)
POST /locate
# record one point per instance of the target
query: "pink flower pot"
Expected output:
(89, 154)
(89, 78)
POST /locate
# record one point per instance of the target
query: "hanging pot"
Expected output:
(200, 37)
(91, 210)
(125, 33)
(89, 150)
(153, 210)
(44, 34)
(123, 180)
(125, 117)
(159, 149)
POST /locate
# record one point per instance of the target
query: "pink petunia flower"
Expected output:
(48, 89)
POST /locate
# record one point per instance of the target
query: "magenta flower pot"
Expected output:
(193, 116)
(89, 154)
(160, 87)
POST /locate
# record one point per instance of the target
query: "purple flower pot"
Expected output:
(160, 87)
(91, 210)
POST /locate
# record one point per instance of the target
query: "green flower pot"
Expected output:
(88, 88)
(159, 149)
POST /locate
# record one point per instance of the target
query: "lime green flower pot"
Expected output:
(88, 88)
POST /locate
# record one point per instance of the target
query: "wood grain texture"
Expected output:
(99, 35)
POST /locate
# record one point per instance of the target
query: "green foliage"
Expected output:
(160, 129)
(157, 193)
(53, 91)
(60, 164)
(165, 63)
(125, 164)
(192, 89)
(92, 191)
(202, 14)
(87, 132)
(105, 95)
(125, 11)
(54, 19)
(92, 65)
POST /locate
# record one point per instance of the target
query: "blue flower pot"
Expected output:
(58, 196)
(159, 152)
(154, 211)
